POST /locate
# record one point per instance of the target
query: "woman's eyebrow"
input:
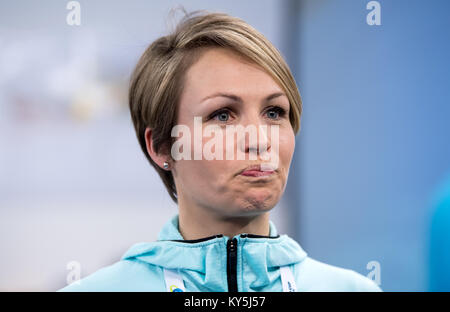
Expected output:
(238, 99)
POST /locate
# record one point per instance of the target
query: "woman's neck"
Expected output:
(195, 223)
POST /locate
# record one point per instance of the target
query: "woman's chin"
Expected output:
(258, 201)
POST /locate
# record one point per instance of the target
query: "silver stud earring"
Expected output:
(166, 165)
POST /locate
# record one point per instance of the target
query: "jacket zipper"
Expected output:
(232, 265)
(231, 255)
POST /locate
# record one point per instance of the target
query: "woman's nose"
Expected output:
(254, 139)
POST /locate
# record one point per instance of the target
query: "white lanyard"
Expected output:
(174, 282)
(287, 279)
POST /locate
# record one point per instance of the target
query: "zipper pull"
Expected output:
(232, 246)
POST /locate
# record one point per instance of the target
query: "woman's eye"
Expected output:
(276, 112)
(222, 115)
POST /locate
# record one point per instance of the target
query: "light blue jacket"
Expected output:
(209, 265)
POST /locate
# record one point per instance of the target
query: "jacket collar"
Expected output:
(208, 256)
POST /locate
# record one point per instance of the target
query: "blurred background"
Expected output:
(370, 178)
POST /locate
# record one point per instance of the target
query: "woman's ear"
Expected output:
(158, 158)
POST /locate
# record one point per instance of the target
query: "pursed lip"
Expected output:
(257, 170)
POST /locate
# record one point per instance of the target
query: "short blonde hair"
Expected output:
(158, 79)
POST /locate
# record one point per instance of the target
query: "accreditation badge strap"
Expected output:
(174, 282)
(287, 279)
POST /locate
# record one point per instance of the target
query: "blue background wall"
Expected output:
(375, 136)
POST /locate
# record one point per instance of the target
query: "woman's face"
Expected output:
(218, 185)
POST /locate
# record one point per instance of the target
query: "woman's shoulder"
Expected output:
(318, 276)
(124, 275)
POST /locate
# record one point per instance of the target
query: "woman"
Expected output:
(215, 71)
